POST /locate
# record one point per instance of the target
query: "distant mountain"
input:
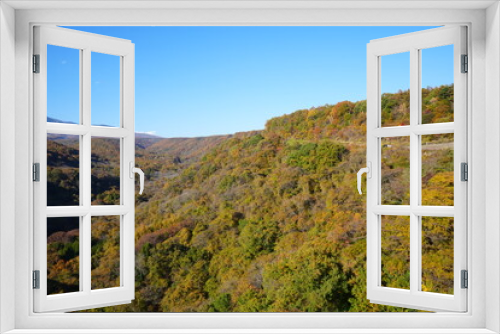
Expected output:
(145, 135)
(141, 135)
(55, 120)
(187, 148)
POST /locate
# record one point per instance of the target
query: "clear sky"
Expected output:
(200, 81)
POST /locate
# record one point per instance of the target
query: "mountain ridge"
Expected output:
(270, 220)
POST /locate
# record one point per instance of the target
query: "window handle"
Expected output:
(141, 176)
(368, 171)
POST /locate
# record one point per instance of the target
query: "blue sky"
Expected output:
(200, 81)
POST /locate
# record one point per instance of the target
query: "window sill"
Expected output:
(250, 331)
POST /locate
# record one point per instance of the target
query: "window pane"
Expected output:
(63, 170)
(437, 254)
(63, 250)
(105, 90)
(395, 251)
(395, 171)
(437, 170)
(63, 84)
(105, 252)
(395, 85)
(105, 171)
(437, 84)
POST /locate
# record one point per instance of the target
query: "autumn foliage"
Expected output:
(264, 221)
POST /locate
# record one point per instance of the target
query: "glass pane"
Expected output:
(63, 84)
(63, 170)
(437, 84)
(395, 261)
(395, 85)
(105, 171)
(63, 250)
(105, 90)
(437, 254)
(395, 171)
(105, 252)
(437, 169)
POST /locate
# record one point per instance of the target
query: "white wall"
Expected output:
(7, 159)
(492, 164)
(257, 17)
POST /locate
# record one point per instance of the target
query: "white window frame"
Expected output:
(484, 103)
(86, 44)
(414, 43)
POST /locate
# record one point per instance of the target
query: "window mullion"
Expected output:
(80, 179)
(86, 140)
(415, 251)
(86, 154)
(85, 259)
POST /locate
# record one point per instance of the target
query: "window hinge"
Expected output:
(36, 63)
(36, 279)
(36, 172)
(464, 171)
(465, 279)
(465, 64)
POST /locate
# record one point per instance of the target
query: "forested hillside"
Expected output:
(264, 221)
